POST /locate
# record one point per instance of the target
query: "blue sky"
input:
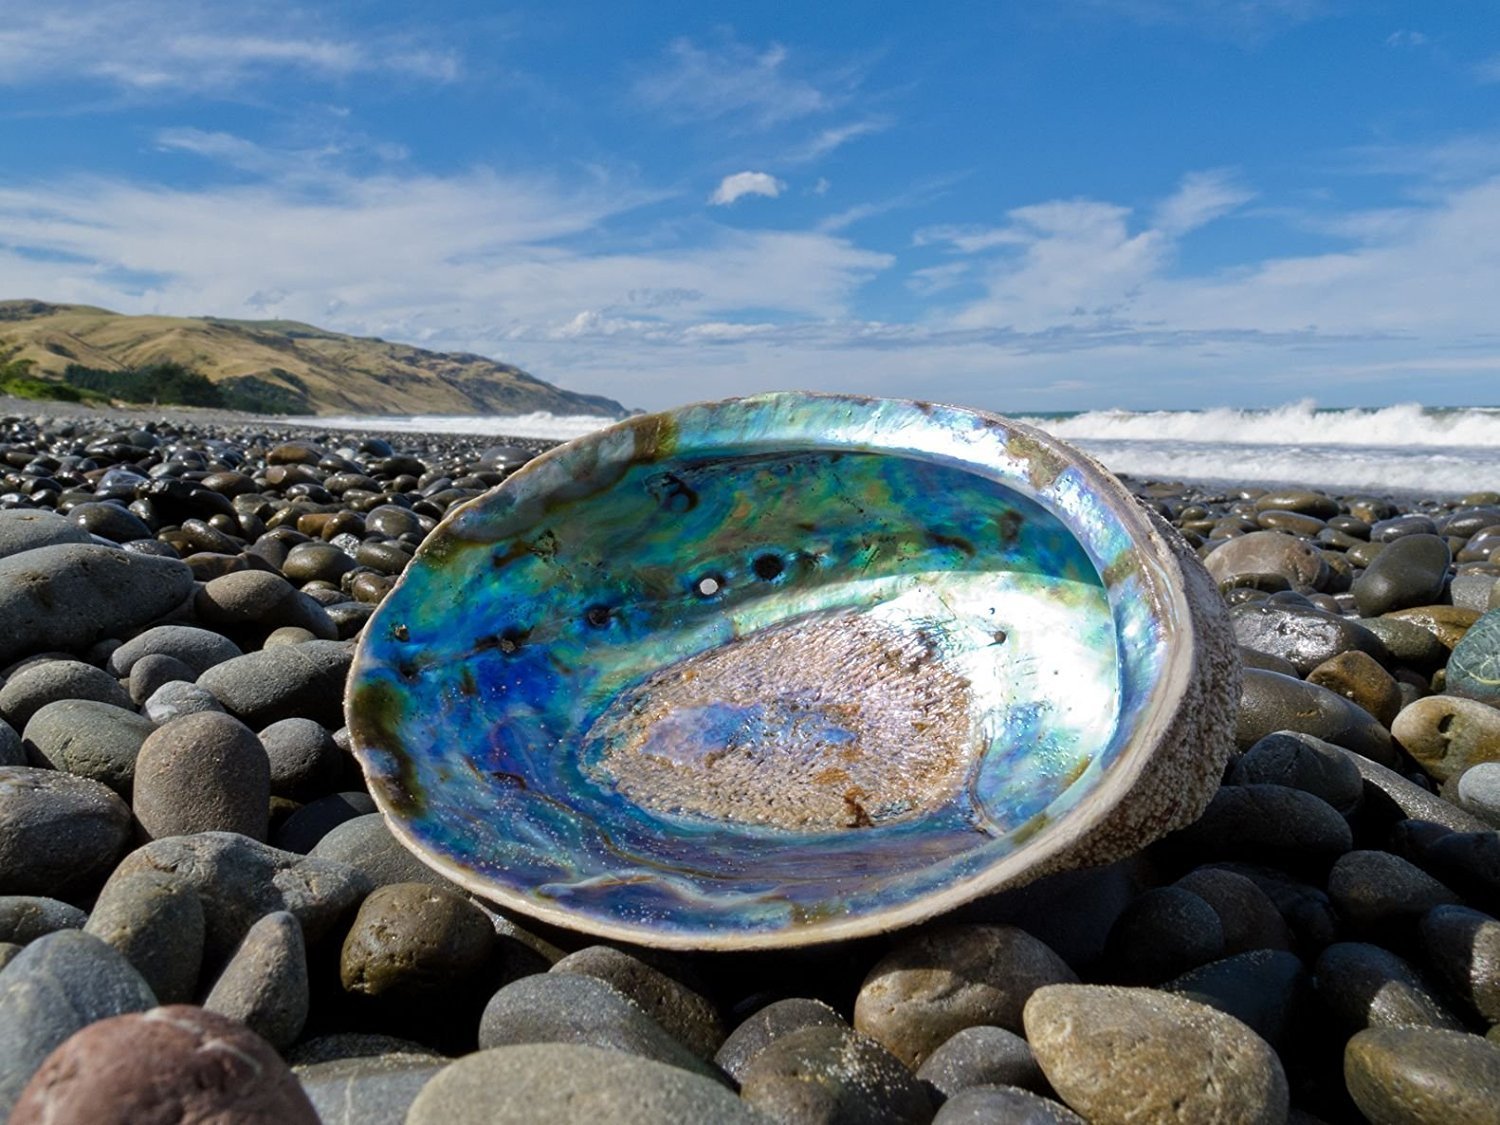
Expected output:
(1016, 205)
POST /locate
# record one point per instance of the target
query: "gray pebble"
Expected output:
(1004, 1105)
(301, 831)
(1463, 948)
(1469, 862)
(110, 521)
(1270, 702)
(827, 1075)
(156, 921)
(374, 1090)
(305, 763)
(1247, 916)
(239, 881)
(203, 773)
(982, 1056)
(99, 741)
(59, 984)
(1165, 932)
(1421, 1074)
(936, 984)
(1268, 552)
(25, 693)
(1409, 572)
(417, 941)
(288, 681)
(1478, 791)
(1267, 990)
(766, 1026)
(1376, 891)
(1117, 1054)
(1266, 824)
(1472, 591)
(261, 600)
(1364, 985)
(24, 918)
(564, 1084)
(366, 843)
(684, 1013)
(1392, 796)
(8, 952)
(1407, 642)
(177, 698)
(59, 835)
(199, 649)
(1303, 636)
(1304, 762)
(264, 986)
(69, 596)
(12, 753)
(23, 529)
(571, 1008)
(150, 672)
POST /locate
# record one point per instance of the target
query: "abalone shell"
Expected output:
(791, 668)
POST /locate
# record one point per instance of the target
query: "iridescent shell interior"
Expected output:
(768, 671)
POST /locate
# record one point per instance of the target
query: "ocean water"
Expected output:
(1396, 449)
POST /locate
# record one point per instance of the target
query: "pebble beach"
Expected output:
(203, 918)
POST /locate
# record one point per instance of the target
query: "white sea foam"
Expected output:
(556, 427)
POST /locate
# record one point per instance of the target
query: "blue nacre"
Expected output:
(783, 669)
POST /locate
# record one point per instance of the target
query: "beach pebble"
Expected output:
(289, 681)
(374, 1090)
(1473, 591)
(1266, 824)
(24, 918)
(1270, 702)
(1359, 678)
(177, 698)
(175, 1064)
(203, 773)
(415, 940)
(89, 739)
(823, 1075)
(301, 831)
(1265, 989)
(59, 984)
(1364, 985)
(581, 1010)
(1447, 623)
(364, 842)
(1247, 916)
(1163, 933)
(305, 763)
(1303, 636)
(1474, 667)
(1478, 791)
(938, 983)
(151, 672)
(28, 691)
(769, 1024)
(1399, 526)
(110, 521)
(1133, 1054)
(1423, 1074)
(1447, 735)
(683, 1012)
(1469, 862)
(25, 530)
(59, 834)
(1463, 948)
(1389, 795)
(1301, 761)
(556, 1083)
(1376, 892)
(355, 1045)
(1411, 571)
(1407, 642)
(261, 600)
(1268, 552)
(12, 752)
(981, 1056)
(240, 881)
(199, 649)
(70, 595)
(156, 921)
(264, 986)
(1003, 1105)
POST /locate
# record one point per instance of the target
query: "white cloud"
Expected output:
(1405, 37)
(1201, 198)
(733, 81)
(1245, 20)
(742, 184)
(835, 137)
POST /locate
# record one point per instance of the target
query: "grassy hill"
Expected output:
(307, 369)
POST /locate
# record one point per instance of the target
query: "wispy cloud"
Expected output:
(1405, 37)
(1201, 198)
(1243, 20)
(835, 137)
(758, 87)
(742, 184)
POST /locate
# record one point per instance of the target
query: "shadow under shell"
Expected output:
(704, 685)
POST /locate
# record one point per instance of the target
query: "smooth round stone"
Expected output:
(309, 562)
(25, 530)
(936, 984)
(288, 635)
(70, 595)
(1463, 948)
(1265, 989)
(1295, 523)
(386, 557)
(1375, 890)
(24, 918)
(1254, 658)
(1469, 862)
(1398, 1075)
(199, 649)
(394, 522)
(1447, 735)
(1165, 932)
(415, 939)
(1126, 1054)
(685, 1014)
(1271, 703)
(263, 600)
(1474, 668)
(59, 834)
(376, 1090)
(1306, 637)
(156, 921)
(1301, 761)
(305, 764)
(769, 1024)
(1302, 501)
(355, 1045)
(584, 1011)
(1395, 527)
(203, 773)
(179, 1064)
(1359, 678)
(91, 739)
(1406, 641)
(28, 691)
(57, 985)
(1268, 552)
(1410, 572)
(1364, 985)
(175, 699)
(822, 1075)
(285, 682)
(1472, 591)
(239, 880)
(1266, 824)
(364, 842)
(110, 521)
(301, 831)
(12, 753)
(1478, 791)
(1392, 796)
(565, 1084)
(1448, 623)
(1247, 916)
(264, 986)
(150, 673)
(1003, 1105)
(982, 1056)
